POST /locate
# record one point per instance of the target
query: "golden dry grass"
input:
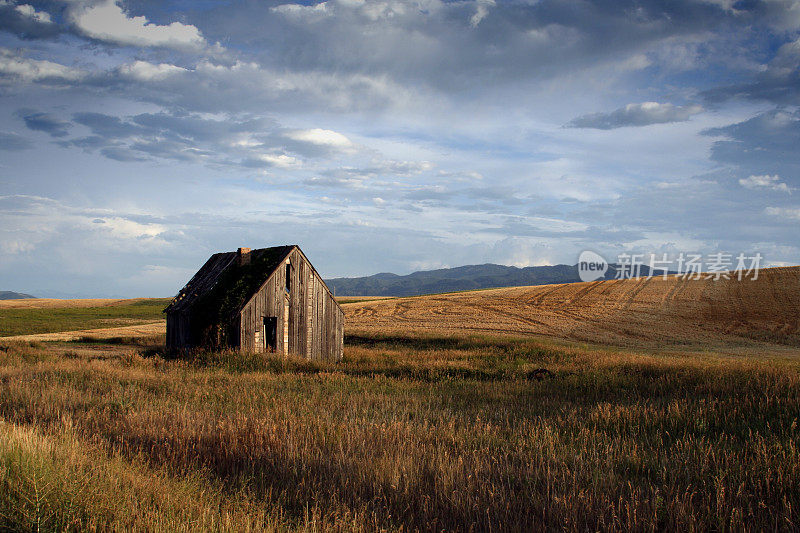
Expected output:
(644, 311)
(53, 303)
(429, 423)
(412, 433)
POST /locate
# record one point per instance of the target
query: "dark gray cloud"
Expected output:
(763, 145)
(120, 153)
(168, 149)
(12, 142)
(777, 82)
(24, 21)
(308, 56)
(300, 57)
(89, 143)
(246, 142)
(775, 87)
(158, 135)
(305, 57)
(443, 44)
(643, 114)
(107, 126)
(45, 122)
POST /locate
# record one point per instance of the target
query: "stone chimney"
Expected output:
(243, 256)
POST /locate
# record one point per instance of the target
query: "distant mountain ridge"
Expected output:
(463, 278)
(9, 295)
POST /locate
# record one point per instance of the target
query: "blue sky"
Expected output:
(139, 137)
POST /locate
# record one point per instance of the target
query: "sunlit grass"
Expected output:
(414, 432)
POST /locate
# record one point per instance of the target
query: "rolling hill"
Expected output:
(9, 295)
(464, 278)
(654, 311)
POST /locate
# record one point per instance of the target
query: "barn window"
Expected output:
(288, 277)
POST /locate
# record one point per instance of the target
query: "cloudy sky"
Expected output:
(137, 137)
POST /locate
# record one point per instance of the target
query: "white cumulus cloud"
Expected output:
(765, 182)
(107, 21)
(481, 10)
(784, 212)
(278, 160)
(300, 11)
(29, 11)
(144, 71)
(16, 66)
(321, 137)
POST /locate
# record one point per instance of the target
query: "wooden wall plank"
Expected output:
(315, 325)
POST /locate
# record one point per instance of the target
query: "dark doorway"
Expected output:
(270, 333)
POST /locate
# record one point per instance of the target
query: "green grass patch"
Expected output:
(32, 321)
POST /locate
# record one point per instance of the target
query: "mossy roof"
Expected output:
(222, 284)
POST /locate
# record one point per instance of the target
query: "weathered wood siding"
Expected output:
(178, 332)
(181, 336)
(315, 325)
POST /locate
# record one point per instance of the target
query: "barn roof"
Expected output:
(221, 279)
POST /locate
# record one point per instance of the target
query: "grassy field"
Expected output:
(47, 318)
(411, 432)
(635, 405)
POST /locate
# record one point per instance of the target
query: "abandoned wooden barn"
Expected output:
(264, 300)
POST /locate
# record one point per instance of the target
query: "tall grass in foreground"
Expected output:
(412, 433)
(53, 483)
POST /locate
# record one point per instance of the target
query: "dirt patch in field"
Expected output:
(141, 330)
(651, 311)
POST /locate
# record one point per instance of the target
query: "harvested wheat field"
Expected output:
(650, 311)
(55, 303)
